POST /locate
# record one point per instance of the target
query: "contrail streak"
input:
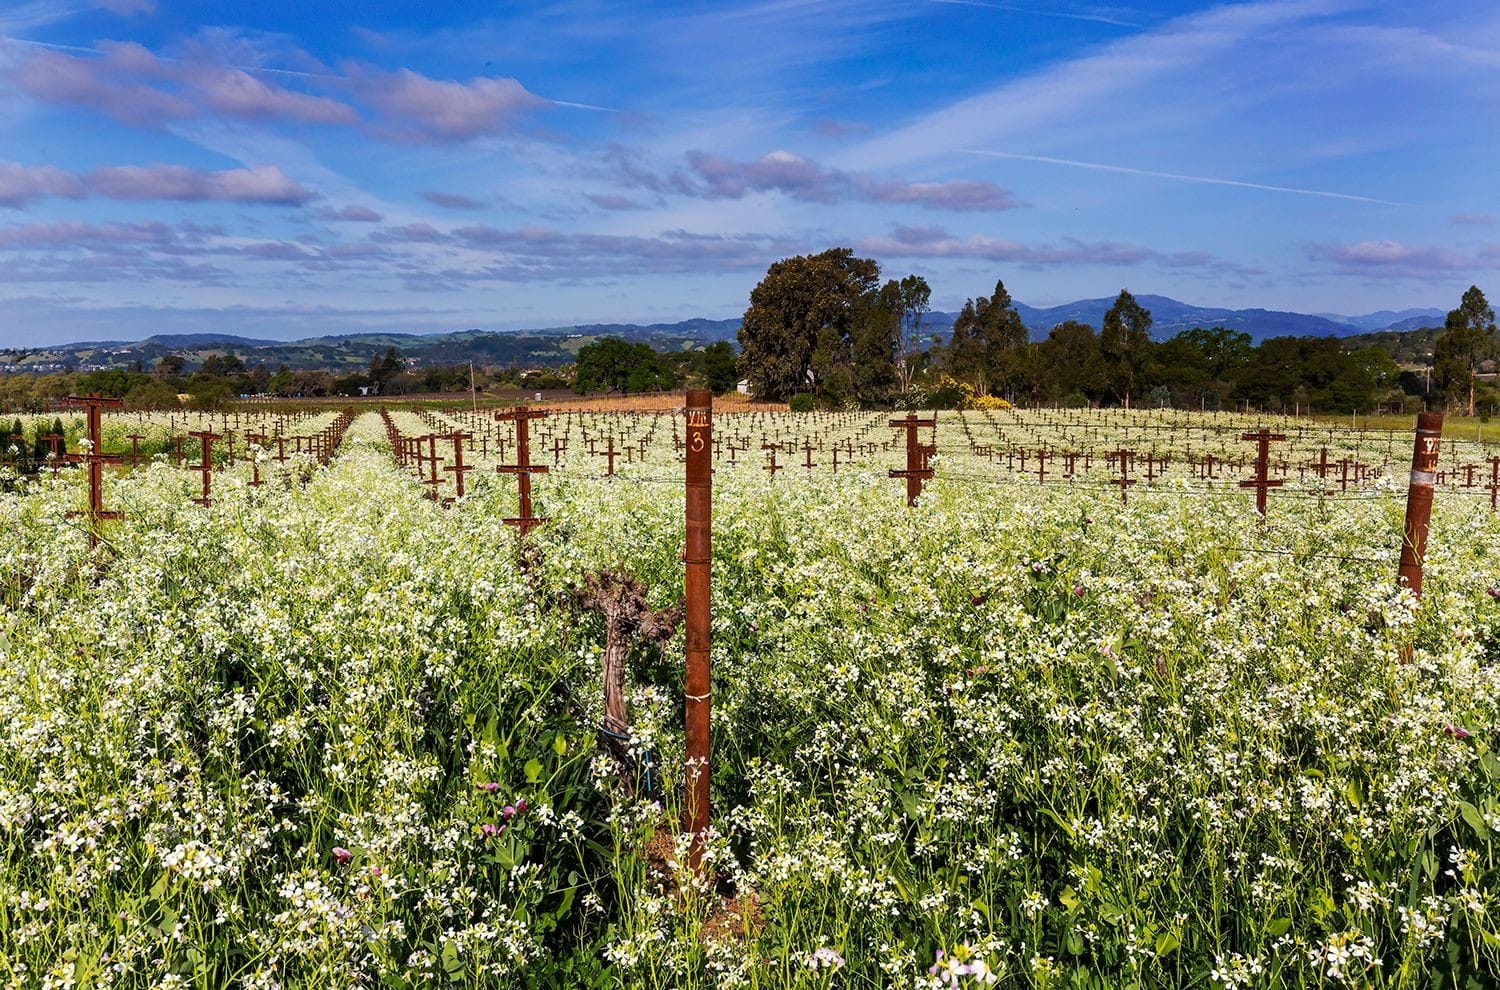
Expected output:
(253, 69)
(1202, 179)
(584, 106)
(1096, 18)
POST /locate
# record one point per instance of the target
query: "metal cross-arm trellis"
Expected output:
(95, 459)
(523, 469)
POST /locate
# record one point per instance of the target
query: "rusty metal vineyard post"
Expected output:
(697, 562)
(96, 459)
(458, 467)
(1262, 482)
(1125, 458)
(205, 466)
(917, 455)
(523, 469)
(1424, 460)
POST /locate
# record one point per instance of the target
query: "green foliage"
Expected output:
(1468, 339)
(152, 394)
(614, 365)
(718, 363)
(384, 369)
(908, 301)
(1124, 341)
(989, 346)
(801, 403)
(805, 306)
(170, 366)
(875, 370)
(946, 392)
(1318, 371)
(207, 391)
(819, 321)
(1068, 363)
(273, 742)
(115, 383)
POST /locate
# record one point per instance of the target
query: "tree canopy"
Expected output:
(988, 348)
(1468, 338)
(1124, 340)
(614, 365)
(800, 326)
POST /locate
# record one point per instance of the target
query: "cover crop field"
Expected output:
(328, 732)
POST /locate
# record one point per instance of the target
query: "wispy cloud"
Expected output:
(78, 234)
(613, 201)
(1098, 18)
(1045, 100)
(758, 45)
(262, 184)
(22, 17)
(832, 128)
(1385, 258)
(452, 201)
(1412, 46)
(1179, 177)
(409, 233)
(711, 176)
(75, 251)
(136, 86)
(547, 254)
(413, 107)
(1475, 219)
(935, 242)
(52, 77)
(353, 213)
(129, 8)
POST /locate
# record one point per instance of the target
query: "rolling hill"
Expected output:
(558, 345)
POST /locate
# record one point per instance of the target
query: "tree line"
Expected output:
(822, 328)
(222, 378)
(605, 365)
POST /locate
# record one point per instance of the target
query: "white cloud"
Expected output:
(1046, 99)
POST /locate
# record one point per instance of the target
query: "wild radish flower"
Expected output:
(824, 958)
(953, 971)
(342, 855)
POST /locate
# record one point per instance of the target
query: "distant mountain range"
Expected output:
(1170, 317)
(559, 345)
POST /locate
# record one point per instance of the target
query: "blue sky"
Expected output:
(289, 169)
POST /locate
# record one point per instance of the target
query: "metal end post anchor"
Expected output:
(697, 557)
(1424, 461)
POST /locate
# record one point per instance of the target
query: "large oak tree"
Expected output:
(806, 306)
